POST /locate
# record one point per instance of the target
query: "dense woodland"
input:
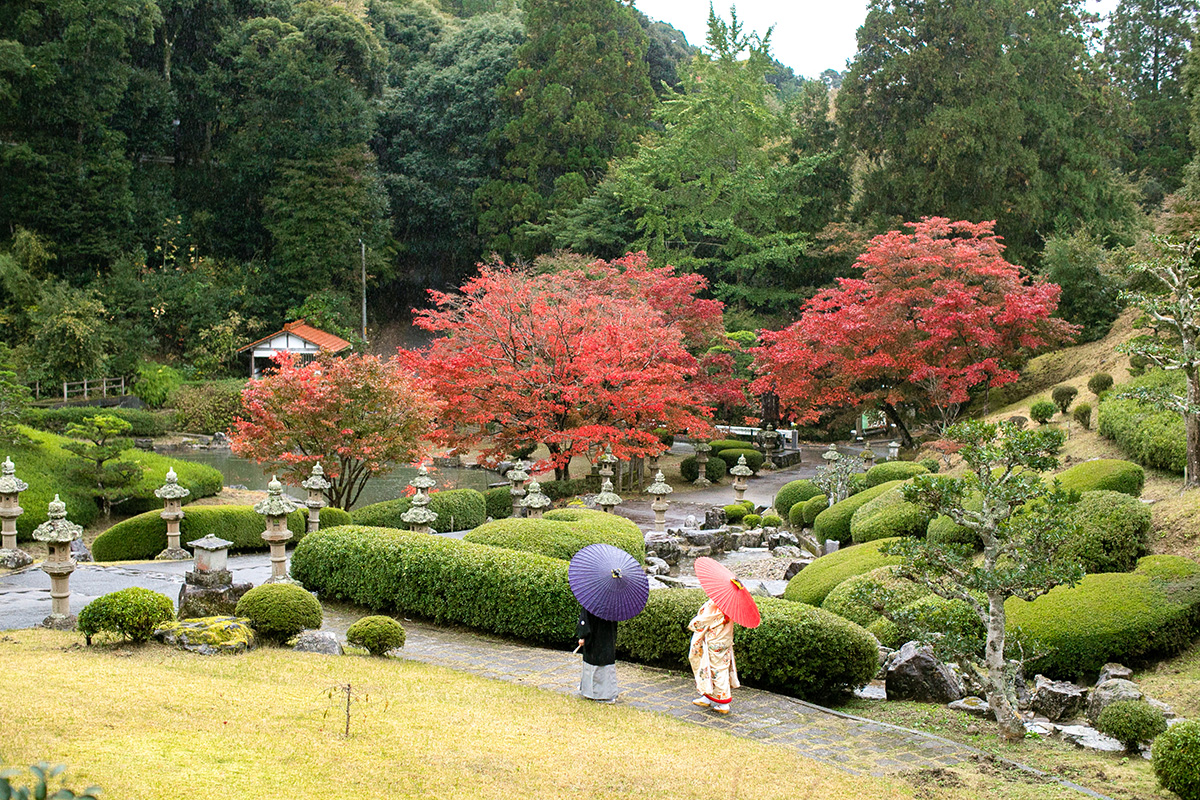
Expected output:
(180, 176)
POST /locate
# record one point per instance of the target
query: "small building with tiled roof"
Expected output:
(296, 337)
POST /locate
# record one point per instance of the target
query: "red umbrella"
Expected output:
(724, 589)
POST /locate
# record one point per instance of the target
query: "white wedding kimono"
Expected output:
(711, 654)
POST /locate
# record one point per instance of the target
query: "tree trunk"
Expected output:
(999, 694)
(893, 416)
(1191, 426)
(562, 473)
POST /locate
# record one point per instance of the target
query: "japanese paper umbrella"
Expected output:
(724, 589)
(608, 582)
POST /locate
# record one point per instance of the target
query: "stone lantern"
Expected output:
(893, 450)
(172, 494)
(535, 502)
(58, 533)
(276, 508)
(606, 464)
(659, 489)
(769, 440)
(868, 456)
(316, 486)
(607, 499)
(740, 473)
(419, 516)
(702, 451)
(517, 476)
(208, 589)
(11, 487)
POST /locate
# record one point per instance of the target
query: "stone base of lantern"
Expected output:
(702, 482)
(12, 558)
(213, 579)
(60, 622)
(173, 554)
(197, 601)
(283, 579)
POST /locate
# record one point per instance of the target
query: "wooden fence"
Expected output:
(86, 389)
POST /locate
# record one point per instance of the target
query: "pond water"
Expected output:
(242, 472)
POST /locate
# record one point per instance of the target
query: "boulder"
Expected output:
(782, 539)
(752, 538)
(668, 548)
(1088, 738)
(1113, 670)
(714, 518)
(656, 566)
(915, 673)
(14, 559)
(711, 539)
(794, 568)
(697, 551)
(973, 706)
(788, 551)
(208, 636)
(1057, 700)
(81, 553)
(324, 642)
(1164, 709)
(210, 601)
(1110, 691)
(733, 540)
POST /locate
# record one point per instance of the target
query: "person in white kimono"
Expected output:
(711, 656)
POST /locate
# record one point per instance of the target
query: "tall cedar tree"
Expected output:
(580, 96)
(572, 359)
(937, 312)
(984, 109)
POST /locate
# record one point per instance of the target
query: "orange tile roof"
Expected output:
(322, 339)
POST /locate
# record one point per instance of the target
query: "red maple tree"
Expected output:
(937, 312)
(358, 416)
(572, 359)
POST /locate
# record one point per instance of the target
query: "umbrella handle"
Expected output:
(576, 650)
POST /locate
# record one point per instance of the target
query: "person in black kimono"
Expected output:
(598, 640)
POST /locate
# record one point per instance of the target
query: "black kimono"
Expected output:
(599, 677)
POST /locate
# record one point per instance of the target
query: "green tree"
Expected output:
(579, 96)
(1089, 293)
(14, 399)
(68, 338)
(102, 441)
(984, 109)
(1024, 527)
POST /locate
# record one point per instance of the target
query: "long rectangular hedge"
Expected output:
(1148, 435)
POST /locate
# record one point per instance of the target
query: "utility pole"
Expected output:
(363, 245)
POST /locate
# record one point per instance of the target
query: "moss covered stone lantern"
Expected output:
(702, 451)
(607, 499)
(517, 476)
(276, 508)
(172, 494)
(58, 533)
(316, 484)
(607, 461)
(740, 473)
(660, 489)
(535, 502)
(11, 487)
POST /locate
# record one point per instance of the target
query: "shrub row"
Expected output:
(754, 459)
(1151, 437)
(894, 471)
(812, 507)
(930, 613)
(797, 650)
(562, 533)
(56, 420)
(888, 515)
(729, 444)
(794, 492)
(812, 584)
(498, 502)
(833, 524)
(564, 490)
(144, 536)
(1111, 474)
(457, 510)
(855, 598)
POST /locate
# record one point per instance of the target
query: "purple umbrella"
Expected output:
(608, 582)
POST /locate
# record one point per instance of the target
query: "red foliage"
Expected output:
(358, 416)
(936, 313)
(570, 359)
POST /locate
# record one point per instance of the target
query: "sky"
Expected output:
(810, 36)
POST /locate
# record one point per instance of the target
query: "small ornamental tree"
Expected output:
(358, 416)
(573, 359)
(102, 440)
(1023, 525)
(937, 312)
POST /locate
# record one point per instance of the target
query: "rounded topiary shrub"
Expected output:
(718, 445)
(1100, 383)
(863, 598)
(1102, 473)
(376, 634)
(772, 521)
(132, 612)
(754, 459)
(1042, 411)
(794, 492)
(797, 650)
(498, 502)
(943, 530)
(888, 515)
(812, 584)
(734, 513)
(562, 533)
(1112, 531)
(457, 510)
(279, 611)
(751, 521)
(1131, 722)
(833, 524)
(814, 506)
(894, 471)
(1083, 415)
(1063, 396)
(714, 469)
(1177, 759)
(930, 464)
(931, 614)
(796, 515)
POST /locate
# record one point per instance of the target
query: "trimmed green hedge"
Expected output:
(813, 584)
(133, 612)
(888, 515)
(834, 522)
(797, 650)
(1150, 436)
(1113, 531)
(714, 469)
(944, 530)
(1112, 616)
(562, 533)
(377, 634)
(1111, 474)
(457, 510)
(729, 444)
(794, 492)
(279, 611)
(894, 471)
(814, 506)
(735, 512)
(498, 502)
(494, 589)
(199, 479)
(145, 536)
(849, 599)
(1177, 759)
(564, 490)
(930, 613)
(754, 459)
(56, 420)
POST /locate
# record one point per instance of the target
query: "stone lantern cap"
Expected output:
(210, 543)
(58, 529)
(9, 482)
(660, 485)
(535, 499)
(418, 514)
(607, 496)
(316, 481)
(171, 490)
(741, 470)
(277, 503)
(831, 454)
(608, 458)
(518, 473)
(702, 447)
(422, 480)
